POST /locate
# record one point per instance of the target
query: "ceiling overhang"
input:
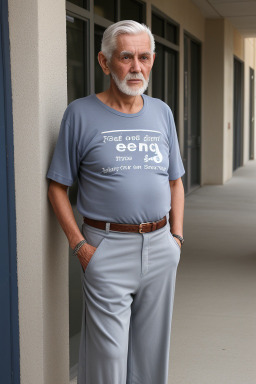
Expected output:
(241, 14)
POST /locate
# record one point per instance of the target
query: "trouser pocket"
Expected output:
(95, 239)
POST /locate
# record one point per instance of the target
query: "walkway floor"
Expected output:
(214, 323)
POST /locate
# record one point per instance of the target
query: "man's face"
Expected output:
(131, 63)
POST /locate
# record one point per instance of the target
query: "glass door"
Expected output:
(251, 115)
(238, 115)
(192, 113)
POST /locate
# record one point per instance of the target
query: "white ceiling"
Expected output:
(241, 13)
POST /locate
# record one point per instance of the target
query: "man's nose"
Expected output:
(135, 65)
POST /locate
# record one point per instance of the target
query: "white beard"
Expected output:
(124, 88)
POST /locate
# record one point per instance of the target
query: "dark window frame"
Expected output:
(239, 162)
(168, 46)
(87, 16)
(166, 20)
(86, 57)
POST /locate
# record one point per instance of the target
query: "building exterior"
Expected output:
(204, 70)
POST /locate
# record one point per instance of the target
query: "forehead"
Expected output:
(133, 43)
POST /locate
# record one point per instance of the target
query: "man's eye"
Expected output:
(144, 58)
(125, 57)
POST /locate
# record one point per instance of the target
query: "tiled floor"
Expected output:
(214, 325)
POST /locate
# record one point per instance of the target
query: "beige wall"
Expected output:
(238, 43)
(38, 75)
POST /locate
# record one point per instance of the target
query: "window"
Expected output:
(164, 28)
(157, 25)
(165, 69)
(81, 3)
(77, 53)
(132, 10)
(106, 9)
(102, 81)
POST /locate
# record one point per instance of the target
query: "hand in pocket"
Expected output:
(177, 241)
(85, 254)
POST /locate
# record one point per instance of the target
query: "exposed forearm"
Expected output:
(58, 197)
(177, 207)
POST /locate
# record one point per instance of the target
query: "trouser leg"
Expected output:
(128, 290)
(151, 311)
(109, 282)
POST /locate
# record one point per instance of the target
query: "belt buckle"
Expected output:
(141, 227)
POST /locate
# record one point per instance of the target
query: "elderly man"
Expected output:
(122, 147)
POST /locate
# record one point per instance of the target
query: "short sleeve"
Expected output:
(176, 168)
(65, 162)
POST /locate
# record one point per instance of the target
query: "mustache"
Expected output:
(134, 76)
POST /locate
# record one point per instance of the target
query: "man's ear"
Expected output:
(154, 56)
(103, 63)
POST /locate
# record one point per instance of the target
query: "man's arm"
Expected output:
(177, 209)
(57, 194)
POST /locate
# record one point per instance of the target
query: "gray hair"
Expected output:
(130, 27)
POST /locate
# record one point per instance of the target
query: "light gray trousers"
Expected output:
(128, 294)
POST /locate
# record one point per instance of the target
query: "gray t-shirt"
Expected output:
(123, 162)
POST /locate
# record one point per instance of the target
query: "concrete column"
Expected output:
(39, 90)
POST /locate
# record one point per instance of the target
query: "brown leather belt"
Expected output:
(138, 228)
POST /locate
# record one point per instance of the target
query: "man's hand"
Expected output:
(177, 241)
(61, 205)
(177, 210)
(85, 254)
